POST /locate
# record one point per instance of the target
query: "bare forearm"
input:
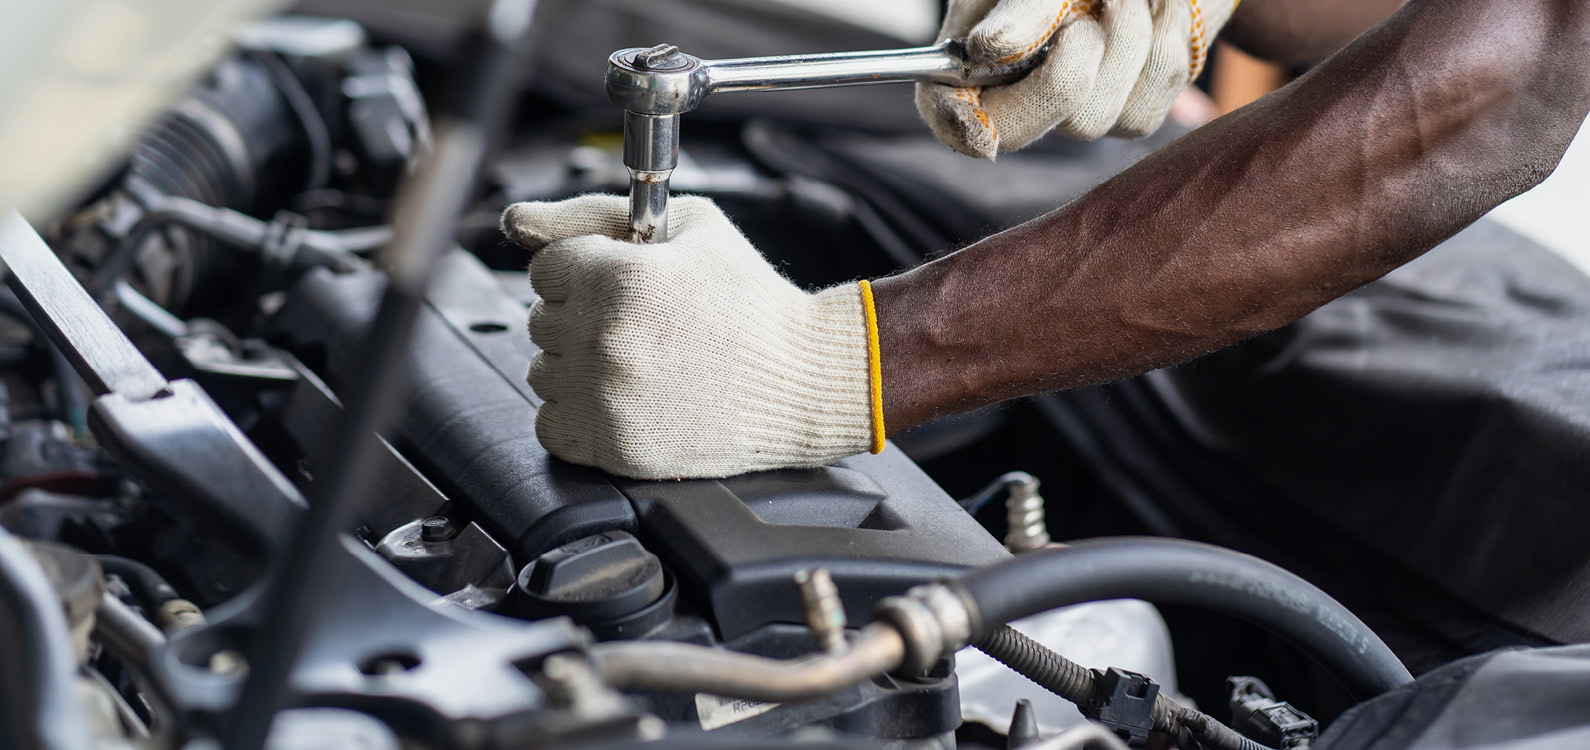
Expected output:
(1254, 220)
(1293, 32)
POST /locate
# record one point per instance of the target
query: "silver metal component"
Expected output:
(177, 614)
(228, 663)
(661, 83)
(567, 678)
(133, 640)
(933, 621)
(682, 667)
(1024, 511)
(941, 63)
(651, 142)
(580, 700)
(951, 610)
(651, 151)
(919, 630)
(648, 207)
(660, 57)
(825, 613)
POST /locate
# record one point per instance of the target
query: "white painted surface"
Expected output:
(1557, 212)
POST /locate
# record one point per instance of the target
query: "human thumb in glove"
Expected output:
(1113, 67)
(693, 357)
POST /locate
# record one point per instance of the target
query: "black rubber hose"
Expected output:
(149, 587)
(1075, 683)
(1170, 571)
(38, 665)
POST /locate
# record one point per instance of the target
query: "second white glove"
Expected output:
(690, 358)
(1113, 68)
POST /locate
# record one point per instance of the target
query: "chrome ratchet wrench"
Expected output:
(657, 85)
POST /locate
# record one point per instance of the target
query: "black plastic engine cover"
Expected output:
(469, 423)
(878, 523)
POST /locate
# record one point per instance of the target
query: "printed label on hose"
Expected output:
(717, 711)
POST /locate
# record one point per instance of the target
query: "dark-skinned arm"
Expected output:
(1410, 134)
(1295, 32)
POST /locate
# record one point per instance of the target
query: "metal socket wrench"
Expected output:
(657, 85)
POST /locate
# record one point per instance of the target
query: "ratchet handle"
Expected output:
(944, 63)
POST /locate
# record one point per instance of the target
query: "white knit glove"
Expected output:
(690, 358)
(1114, 67)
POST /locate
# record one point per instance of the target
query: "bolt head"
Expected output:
(436, 529)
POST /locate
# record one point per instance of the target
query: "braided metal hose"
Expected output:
(1076, 683)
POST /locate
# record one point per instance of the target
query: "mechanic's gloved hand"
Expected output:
(1114, 67)
(690, 358)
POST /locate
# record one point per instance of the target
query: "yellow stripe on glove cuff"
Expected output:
(874, 366)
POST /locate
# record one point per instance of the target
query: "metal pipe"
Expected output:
(683, 667)
(825, 612)
(132, 639)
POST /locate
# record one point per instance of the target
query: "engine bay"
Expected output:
(278, 460)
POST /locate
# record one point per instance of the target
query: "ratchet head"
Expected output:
(658, 80)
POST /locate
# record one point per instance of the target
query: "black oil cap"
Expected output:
(594, 579)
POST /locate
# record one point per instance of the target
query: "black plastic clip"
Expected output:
(1257, 714)
(1124, 703)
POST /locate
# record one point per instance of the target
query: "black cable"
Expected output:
(73, 403)
(1075, 683)
(309, 117)
(38, 665)
(1199, 575)
(150, 588)
(231, 227)
(331, 248)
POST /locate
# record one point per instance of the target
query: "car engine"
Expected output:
(278, 465)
